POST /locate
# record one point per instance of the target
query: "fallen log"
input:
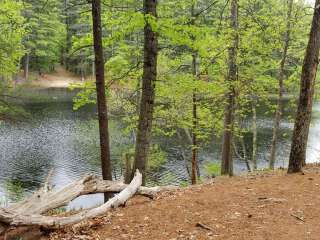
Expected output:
(14, 218)
(46, 199)
(30, 211)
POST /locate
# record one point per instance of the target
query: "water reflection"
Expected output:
(313, 153)
(58, 138)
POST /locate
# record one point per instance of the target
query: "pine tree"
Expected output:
(45, 39)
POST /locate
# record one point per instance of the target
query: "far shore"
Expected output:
(60, 78)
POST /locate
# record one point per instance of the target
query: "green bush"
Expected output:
(212, 169)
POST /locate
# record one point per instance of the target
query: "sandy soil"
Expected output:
(58, 79)
(268, 206)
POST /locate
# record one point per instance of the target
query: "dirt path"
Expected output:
(265, 206)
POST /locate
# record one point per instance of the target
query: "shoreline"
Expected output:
(260, 205)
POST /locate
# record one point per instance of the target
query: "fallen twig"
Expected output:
(297, 217)
(273, 200)
(203, 226)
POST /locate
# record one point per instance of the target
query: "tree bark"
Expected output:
(254, 133)
(194, 162)
(101, 95)
(26, 67)
(304, 111)
(245, 158)
(279, 110)
(93, 71)
(148, 92)
(227, 158)
(128, 168)
(67, 47)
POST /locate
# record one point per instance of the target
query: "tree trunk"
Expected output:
(254, 133)
(148, 92)
(68, 36)
(93, 70)
(279, 110)
(26, 67)
(128, 168)
(101, 95)
(227, 158)
(308, 76)
(237, 153)
(82, 73)
(245, 158)
(194, 162)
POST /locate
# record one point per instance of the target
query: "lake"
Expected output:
(53, 136)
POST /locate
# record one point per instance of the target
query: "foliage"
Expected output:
(212, 169)
(14, 189)
(45, 39)
(53, 32)
(200, 27)
(11, 33)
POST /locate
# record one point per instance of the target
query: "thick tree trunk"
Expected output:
(26, 67)
(303, 116)
(194, 162)
(148, 92)
(277, 118)
(101, 95)
(254, 133)
(227, 158)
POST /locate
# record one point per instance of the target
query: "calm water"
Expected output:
(56, 137)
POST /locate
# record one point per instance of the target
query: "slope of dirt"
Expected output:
(264, 206)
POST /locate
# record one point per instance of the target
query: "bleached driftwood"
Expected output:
(46, 199)
(18, 218)
(29, 211)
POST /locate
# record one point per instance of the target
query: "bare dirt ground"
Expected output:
(58, 79)
(268, 206)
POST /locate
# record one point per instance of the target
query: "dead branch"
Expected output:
(30, 211)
